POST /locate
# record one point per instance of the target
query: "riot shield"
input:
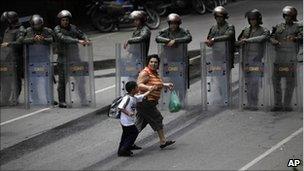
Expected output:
(79, 71)
(129, 62)
(8, 77)
(286, 73)
(253, 77)
(174, 69)
(38, 75)
(215, 75)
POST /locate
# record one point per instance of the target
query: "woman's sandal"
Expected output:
(166, 144)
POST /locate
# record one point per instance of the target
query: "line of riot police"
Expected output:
(265, 58)
(266, 61)
(28, 53)
(261, 69)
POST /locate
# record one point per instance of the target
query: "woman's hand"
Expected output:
(170, 86)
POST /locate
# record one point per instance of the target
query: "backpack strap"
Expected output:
(126, 104)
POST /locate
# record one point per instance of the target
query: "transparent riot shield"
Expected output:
(129, 62)
(38, 75)
(215, 75)
(8, 77)
(80, 88)
(174, 69)
(285, 83)
(253, 77)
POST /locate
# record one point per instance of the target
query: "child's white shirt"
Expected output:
(130, 106)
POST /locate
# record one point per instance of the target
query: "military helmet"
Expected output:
(12, 17)
(220, 11)
(254, 14)
(64, 14)
(175, 18)
(36, 21)
(290, 10)
(141, 15)
(4, 16)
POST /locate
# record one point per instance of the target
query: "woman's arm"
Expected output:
(142, 79)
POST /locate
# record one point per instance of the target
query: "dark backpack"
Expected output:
(114, 112)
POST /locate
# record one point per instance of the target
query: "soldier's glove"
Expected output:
(291, 38)
(275, 42)
(4, 44)
(171, 43)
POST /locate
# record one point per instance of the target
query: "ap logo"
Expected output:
(293, 162)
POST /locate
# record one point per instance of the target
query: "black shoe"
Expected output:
(55, 103)
(135, 147)
(288, 109)
(276, 109)
(125, 153)
(166, 144)
(247, 108)
(62, 105)
(254, 108)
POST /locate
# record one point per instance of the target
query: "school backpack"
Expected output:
(113, 111)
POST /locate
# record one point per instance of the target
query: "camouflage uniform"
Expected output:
(254, 54)
(280, 33)
(65, 37)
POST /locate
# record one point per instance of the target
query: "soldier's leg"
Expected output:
(276, 80)
(290, 85)
(5, 91)
(81, 83)
(61, 83)
(255, 91)
(248, 87)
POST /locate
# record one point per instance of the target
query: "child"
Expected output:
(127, 108)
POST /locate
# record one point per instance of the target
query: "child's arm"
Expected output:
(126, 112)
(146, 93)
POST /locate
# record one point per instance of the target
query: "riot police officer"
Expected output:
(66, 33)
(285, 37)
(174, 34)
(37, 33)
(222, 31)
(253, 38)
(12, 38)
(142, 33)
(171, 37)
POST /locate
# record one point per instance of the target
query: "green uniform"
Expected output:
(286, 56)
(180, 36)
(47, 33)
(141, 35)
(225, 32)
(14, 36)
(254, 48)
(64, 37)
